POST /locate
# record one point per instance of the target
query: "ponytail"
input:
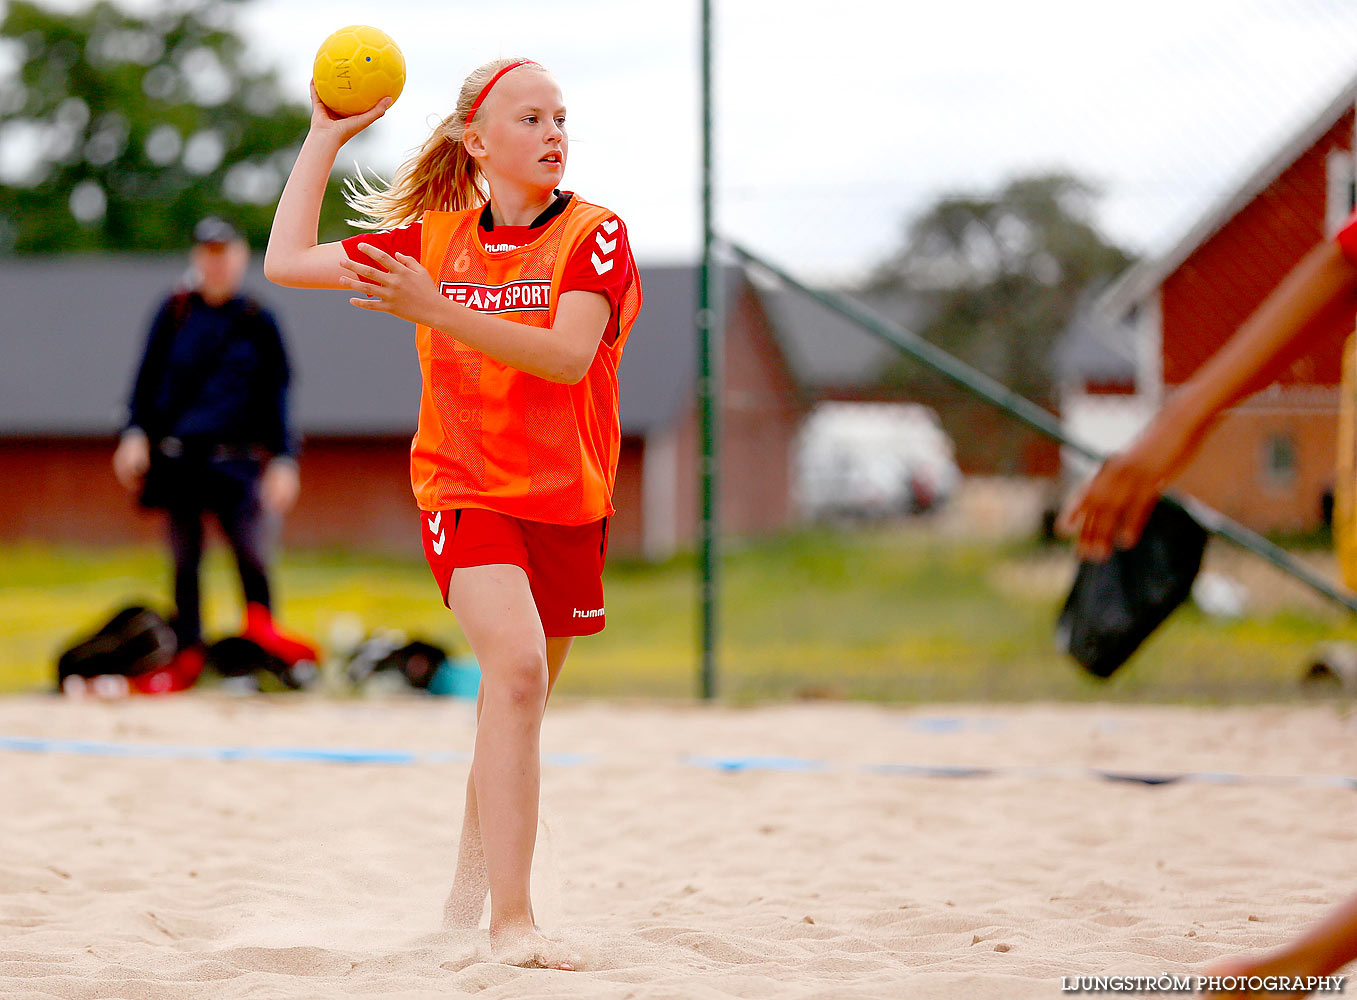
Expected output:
(440, 177)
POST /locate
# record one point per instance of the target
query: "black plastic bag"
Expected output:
(1115, 605)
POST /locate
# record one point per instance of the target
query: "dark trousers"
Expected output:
(230, 492)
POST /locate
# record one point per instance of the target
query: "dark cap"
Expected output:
(214, 230)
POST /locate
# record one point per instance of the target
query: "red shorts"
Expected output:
(564, 563)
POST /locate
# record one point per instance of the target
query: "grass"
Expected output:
(892, 613)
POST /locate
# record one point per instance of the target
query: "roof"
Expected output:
(659, 365)
(1092, 349)
(826, 350)
(75, 326)
(1146, 276)
(74, 329)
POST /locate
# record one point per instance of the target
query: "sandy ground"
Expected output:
(821, 876)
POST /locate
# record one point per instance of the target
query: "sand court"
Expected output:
(293, 847)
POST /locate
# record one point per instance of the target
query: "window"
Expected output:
(1342, 190)
(1279, 461)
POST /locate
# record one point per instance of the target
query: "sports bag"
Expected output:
(135, 640)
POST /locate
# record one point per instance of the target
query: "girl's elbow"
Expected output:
(286, 267)
(561, 376)
(286, 277)
(565, 370)
(274, 270)
(574, 372)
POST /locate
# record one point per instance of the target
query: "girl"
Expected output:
(522, 296)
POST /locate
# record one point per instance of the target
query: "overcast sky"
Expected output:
(837, 121)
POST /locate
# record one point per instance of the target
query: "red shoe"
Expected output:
(259, 628)
(180, 674)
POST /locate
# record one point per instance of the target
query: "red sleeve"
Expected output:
(404, 240)
(602, 264)
(1347, 238)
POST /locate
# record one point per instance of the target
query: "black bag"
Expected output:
(238, 656)
(416, 662)
(133, 641)
(1115, 605)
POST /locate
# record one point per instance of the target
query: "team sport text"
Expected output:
(516, 296)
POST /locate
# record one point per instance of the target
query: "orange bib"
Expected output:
(491, 436)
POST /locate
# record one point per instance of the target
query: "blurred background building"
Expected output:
(119, 125)
(1270, 462)
(74, 330)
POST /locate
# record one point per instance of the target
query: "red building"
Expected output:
(1269, 461)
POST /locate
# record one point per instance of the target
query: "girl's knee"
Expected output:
(518, 676)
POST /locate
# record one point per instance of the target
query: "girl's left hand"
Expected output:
(404, 289)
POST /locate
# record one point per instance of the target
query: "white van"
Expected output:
(873, 460)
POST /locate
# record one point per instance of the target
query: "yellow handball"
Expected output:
(356, 67)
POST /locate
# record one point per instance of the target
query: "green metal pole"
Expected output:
(708, 379)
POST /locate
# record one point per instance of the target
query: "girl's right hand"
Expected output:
(339, 127)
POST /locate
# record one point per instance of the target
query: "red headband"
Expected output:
(475, 105)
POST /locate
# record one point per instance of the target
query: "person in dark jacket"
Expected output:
(208, 432)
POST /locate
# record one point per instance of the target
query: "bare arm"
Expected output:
(560, 353)
(1113, 508)
(293, 258)
(1253, 358)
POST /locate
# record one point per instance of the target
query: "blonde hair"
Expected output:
(440, 176)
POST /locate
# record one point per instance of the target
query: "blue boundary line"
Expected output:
(732, 764)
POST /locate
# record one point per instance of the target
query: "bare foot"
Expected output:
(1286, 962)
(465, 904)
(528, 949)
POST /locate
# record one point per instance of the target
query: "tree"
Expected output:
(1000, 275)
(119, 130)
